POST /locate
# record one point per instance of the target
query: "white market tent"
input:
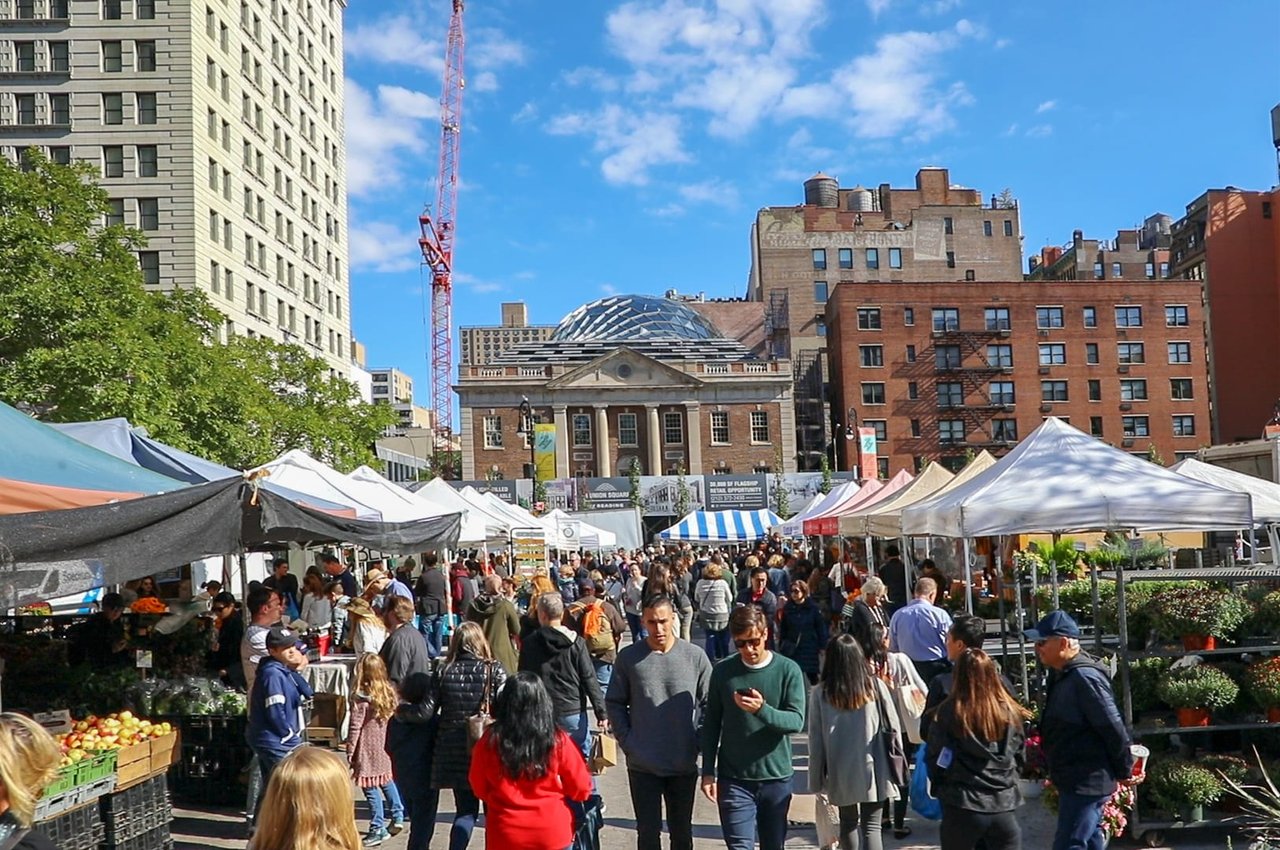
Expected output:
(859, 523)
(478, 527)
(565, 531)
(1060, 479)
(297, 470)
(1265, 495)
(839, 494)
(722, 527)
(394, 492)
(827, 523)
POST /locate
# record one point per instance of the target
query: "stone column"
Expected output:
(655, 440)
(693, 429)
(560, 413)
(604, 465)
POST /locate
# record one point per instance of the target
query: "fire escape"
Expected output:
(961, 357)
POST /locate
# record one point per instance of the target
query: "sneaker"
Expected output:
(395, 827)
(375, 837)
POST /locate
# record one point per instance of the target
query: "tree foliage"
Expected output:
(81, 339)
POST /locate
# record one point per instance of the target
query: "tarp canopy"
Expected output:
(858, 523)
(1265, 494)
(794, 527)
(298, 470)
(118, 438)
(56, 553)
(42, 469)
(478, 527)
(1060, 479)
(565, 531)
(412, 502)
(722, 526)
(827, 523)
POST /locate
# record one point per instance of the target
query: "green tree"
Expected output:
(781, 498)
(1153, 455)
(682, 493)
(633, 480)
(825, 466)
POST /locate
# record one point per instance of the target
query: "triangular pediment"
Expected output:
(623, 368)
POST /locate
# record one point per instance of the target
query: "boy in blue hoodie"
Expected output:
(276, 722)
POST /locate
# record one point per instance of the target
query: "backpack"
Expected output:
(596, 628)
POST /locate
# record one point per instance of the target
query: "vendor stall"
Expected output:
(722, 527)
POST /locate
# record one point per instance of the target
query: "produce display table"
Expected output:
(332, 676)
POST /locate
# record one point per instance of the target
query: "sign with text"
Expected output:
(737, 492)
(503, 488)
(544, 450)
(529, 548)
(867, 445)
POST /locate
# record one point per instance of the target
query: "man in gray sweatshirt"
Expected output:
(654, 703)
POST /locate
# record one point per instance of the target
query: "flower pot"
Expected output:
(1193, 717)
(1273, 714)
(1194, 643)
(1030, 788)
(1191, 814)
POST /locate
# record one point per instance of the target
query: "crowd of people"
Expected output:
(504, 711)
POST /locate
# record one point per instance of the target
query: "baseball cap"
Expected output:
(1054, 624)
(281, 637)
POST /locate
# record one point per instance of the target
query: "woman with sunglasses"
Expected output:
(802, 630)
(224, 649)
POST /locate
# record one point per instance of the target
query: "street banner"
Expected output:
(867, 446)
(544, 450)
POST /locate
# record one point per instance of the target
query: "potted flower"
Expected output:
(1115, 812)
(1185, 788)
(1035, 766)
(1263, 683)
(1199, 617)
(1194, 691)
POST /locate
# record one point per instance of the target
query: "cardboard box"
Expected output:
(328, 711)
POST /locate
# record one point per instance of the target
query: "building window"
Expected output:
(1184, 425)
(947, 357)
(59, 56)
(997, 318)
(719, 428)
(1002, 392)
(950, 431)
(820, 259)
(1179, 352)
(581, 429)
(113, 109)
(146, 55)
(1131, 352)
(950, 394)
(1091, 353)
(1008, 227)
(946, 319)
(873, 258)
(115, 212)
(911, 354)
(112, 54)
(1164, 270)
(147, 166)
(60, 111)
(148, 213)
(1053, 353)
(1004, 430)
(880, 426)
(144, 10)
(872, 393)
(672, 428)
(1128, 317)
(913, 390)
(493, 432)
(986, 228)
(111, 9)
(1095, 389)
(149, 262)
(1048, 317)
(1180, 389)
(846, 258)
(909, 317)
(146, 113)
(1150, 270)
(1175, 316)
(820, 325)
(1135, 426)
(951, 259)
(882, 467)
(820, 292)
(1053, 390)
(1117, 270)
(1090, 317)
(113, 161)
(915, 427)
(25, 56)
(948, 225)
(759, 426)
(869, 318)
(1095, 426)
(871, 356)
(60, 154)
(1097, 271)
(1000, 356)
(895, 258)
(628, 431)
(1133, 389)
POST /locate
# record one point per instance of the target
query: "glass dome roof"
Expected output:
(619, 318)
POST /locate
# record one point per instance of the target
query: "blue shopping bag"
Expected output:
(924, 805)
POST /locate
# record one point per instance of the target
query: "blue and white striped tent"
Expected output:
(722, 526)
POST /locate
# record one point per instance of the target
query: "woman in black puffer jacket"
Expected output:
(974, 757)
(459, 693)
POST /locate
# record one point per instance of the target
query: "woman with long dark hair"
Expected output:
(524, 768)
(975, 757)
(802, 630)
(848, 759)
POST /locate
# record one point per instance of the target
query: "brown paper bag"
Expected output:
(604, 753)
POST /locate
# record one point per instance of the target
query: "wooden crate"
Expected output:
(164, 752)
(328, 710)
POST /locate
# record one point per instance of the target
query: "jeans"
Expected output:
(686, 623)
(718, 644)
(467, 809)
(255, 789)
(860, 827)
(422, 818)
(754, 809)
(432, 628)
(1079, 817)
(267, 762)
(964, 830)
(638, 632)
(578, 728)
(377, 819)
(604, 672)
(648, 794)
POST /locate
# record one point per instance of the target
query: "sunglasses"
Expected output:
(752, 642)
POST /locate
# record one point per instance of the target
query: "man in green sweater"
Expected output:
(755, 702)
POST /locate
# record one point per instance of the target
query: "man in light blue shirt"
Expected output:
(919, 630)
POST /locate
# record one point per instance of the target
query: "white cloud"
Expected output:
(877, 6)
(382, 126)
(587, 76)
(409, 103)
(383, 247)
(525, 113)
(608, 289)
(632, 143)
(395, 40)
(1040, 131)
(941, 7)
(477, 285)
(716, 192)
(1002, 43)
(1046, 106)
(484, 81)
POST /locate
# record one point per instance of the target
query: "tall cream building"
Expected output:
(217, 126)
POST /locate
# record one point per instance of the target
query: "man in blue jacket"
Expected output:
(276, 722)
(1085, 739)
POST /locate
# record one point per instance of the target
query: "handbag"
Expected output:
(909, 711)
(826, 820)
(482, 719)
(604, 753)
(924, 803)
(894, 755)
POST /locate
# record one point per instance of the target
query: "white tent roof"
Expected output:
(477, 525)
(1060, 479)
(1265, 495)
(827, 523)
(885, 519)
(412, 501)
(297, 470)
(925, 484)
(588, 535)
(840, 494)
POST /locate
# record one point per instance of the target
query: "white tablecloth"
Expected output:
(333, 676)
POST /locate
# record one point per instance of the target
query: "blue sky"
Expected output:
(625, 147)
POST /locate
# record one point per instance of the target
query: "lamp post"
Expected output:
(851, 435)
(527, 431)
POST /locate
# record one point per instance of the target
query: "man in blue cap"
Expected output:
(1085, 739)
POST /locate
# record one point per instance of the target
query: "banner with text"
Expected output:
(544, 450)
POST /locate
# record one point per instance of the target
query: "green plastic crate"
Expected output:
(103, 764)
(65, 782)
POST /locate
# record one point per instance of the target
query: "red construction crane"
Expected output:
(436, 242)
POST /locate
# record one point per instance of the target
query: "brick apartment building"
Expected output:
(934, 232)
(1132, 254)
(939, 368)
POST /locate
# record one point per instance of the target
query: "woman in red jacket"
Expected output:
(526, 770)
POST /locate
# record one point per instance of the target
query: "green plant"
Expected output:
(1267, 618)
(1177, 784)
(1230, 768)
(1192, 611)
(1061, 556)
(1076, 598)
(1261, 805)
(1200, 686)
(1144, 677)
(1262, 680)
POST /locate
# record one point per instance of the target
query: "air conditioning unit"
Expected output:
(1126, 406)
(1123, 370)
(1046, 408)
(1006, 333)
(1044, 370)
(1127, 443)
(1043, 331)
